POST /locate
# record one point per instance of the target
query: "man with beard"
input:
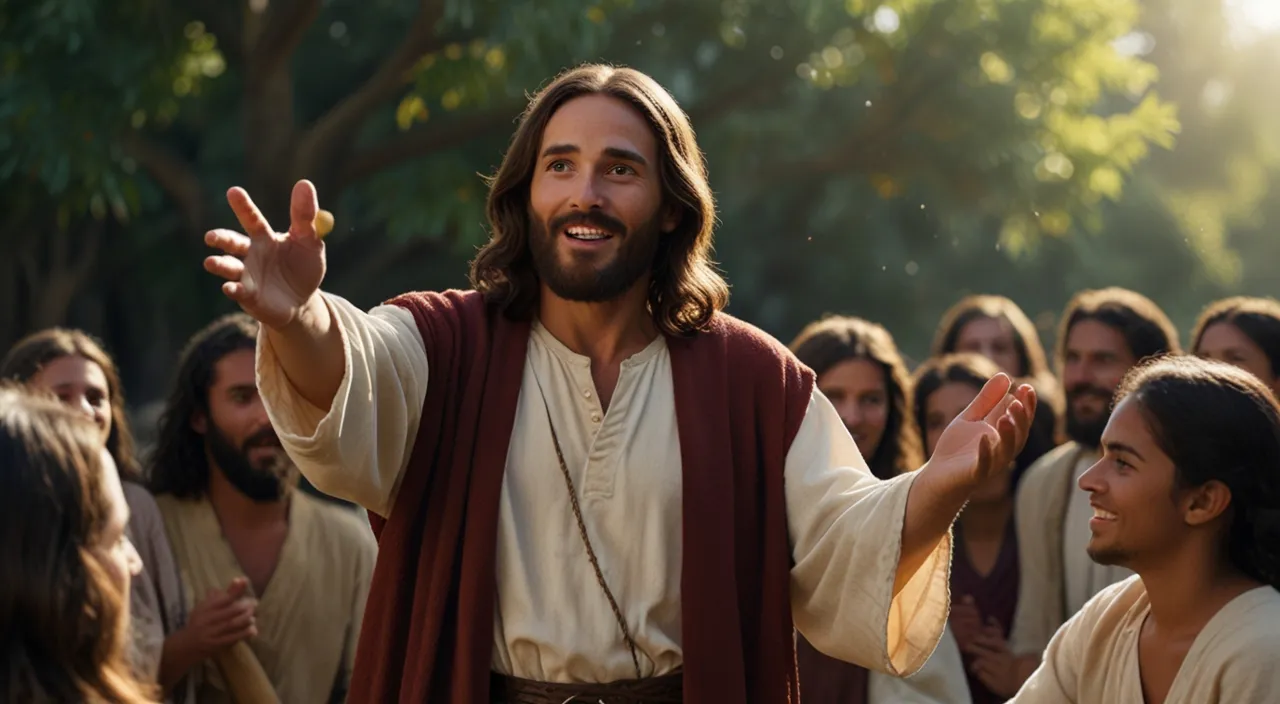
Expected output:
(1103, 334)
(602, 491)
(296, 568)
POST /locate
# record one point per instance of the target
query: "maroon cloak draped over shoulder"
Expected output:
(740, 396)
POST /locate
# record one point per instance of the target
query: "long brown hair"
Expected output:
(1026, 341)
(1256, 318)
(62, 614)
(685, 289)
(834, 339)
(33, 352)
(179, 466)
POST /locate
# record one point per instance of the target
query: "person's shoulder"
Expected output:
(1113, 608)
(139, 498)
(746, 343)
(1249, 626)
(344, 526)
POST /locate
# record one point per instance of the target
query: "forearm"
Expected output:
(309, 352)
(931, 509)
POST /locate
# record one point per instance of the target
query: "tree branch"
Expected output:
(343, 119)
(287, 21)
(171, 173)
(425, 141)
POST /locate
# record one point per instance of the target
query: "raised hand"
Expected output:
(272, 275)
(986, 437)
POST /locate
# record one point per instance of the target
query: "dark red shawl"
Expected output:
(740, 397)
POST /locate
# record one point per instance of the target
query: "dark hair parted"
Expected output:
(825, 343)
(179, 466)
(63, 615)
(1257, 318)
(26, 358)
(1237, 443)
(1026, 340)
(685, 288)
(1145, 328)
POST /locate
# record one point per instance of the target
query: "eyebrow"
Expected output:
(615, 152)
(242, 387)
(1121, 447)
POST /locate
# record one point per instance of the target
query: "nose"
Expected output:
(850, 413)
(1091, 481)
(132, 559)
(589, 194)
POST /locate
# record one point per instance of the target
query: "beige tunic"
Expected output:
(1093, 659)
(309, 615)
(553, 622)
(940, 681)
(1056, 575)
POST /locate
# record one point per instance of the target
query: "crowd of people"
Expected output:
(611, 491)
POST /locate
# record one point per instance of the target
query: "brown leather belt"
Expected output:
(668, 689)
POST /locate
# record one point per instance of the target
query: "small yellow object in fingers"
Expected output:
(323, 223)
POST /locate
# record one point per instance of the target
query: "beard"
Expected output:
(1087, 431)
(583, 280)
(266, 482)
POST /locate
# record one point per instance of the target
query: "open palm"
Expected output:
(986, 437)
(270, 274)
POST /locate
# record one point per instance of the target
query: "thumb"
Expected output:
(303, 207)
(237, 588)
(993, 392)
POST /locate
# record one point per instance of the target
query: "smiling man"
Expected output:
(1103, 334)
(1187, 495)
(608, 489)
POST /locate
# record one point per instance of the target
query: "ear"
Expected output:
(200, 422)
(671, 216)
(1205, 503)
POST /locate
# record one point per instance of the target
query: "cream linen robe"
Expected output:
(1093, 659)
(309, 615)
(1051, 548)
(940, 681)
(552, 621)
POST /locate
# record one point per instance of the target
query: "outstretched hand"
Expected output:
(986, 437)
(272, 275)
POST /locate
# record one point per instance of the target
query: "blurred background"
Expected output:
(877, 158)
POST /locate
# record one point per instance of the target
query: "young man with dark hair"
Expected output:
(1103, 333)
(1187, 495)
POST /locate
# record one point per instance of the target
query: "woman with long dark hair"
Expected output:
(1244, 332)
(861, 372)
(74, 367)
(65, 558)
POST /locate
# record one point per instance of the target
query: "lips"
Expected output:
(586, 233)
(1102, 514)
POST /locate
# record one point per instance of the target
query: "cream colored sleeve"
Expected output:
(941, 680)
(846, 539)
(358, 450)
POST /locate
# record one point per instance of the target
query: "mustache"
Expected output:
(263, 438)
(592, 218)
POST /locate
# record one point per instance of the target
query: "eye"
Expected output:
(558, 166)
(1121, 464)
(621, 170)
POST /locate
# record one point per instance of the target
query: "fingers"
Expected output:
(992, 394)
(251, 219)
(303, 207)
(237, 587)
(229, 241)
(225, 266)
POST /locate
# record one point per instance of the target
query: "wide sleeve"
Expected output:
(357, 450)
(941, 680)
(846, 540)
